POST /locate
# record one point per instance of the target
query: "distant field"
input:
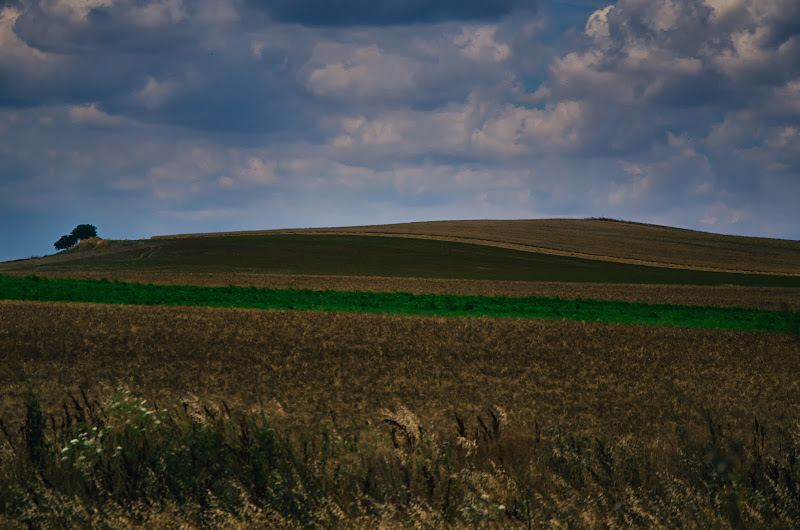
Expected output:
(374, 256)
(602, 239)
(102, 291)
(769, 298)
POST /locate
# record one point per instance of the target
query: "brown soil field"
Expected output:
(601, 239)
(306, 367)
(769, 298)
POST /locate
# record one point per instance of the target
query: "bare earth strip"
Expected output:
(770, 298)
(605, 240)
(307, 367)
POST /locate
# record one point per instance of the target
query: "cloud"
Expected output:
(517, 130)
(364, 71)
(91, 115)
(258, 171)
(684, 52)
(388, 12)
(155, 93)
(479, 45)
(20, 64)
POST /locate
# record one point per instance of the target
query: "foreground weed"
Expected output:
(127, 462)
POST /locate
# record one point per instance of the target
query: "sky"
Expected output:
(148, 117)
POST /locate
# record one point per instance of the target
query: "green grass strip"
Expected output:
(107, 292)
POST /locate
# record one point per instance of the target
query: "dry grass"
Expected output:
(370, 402)
(600, 239)
(769, 298)
(608, 380)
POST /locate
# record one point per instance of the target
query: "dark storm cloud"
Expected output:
(388, 12)
(97, 30)
(159, 66)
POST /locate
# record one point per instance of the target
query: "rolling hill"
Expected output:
(596, 239)
(554, 250)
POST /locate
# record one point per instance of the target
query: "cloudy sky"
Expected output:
(152, 117)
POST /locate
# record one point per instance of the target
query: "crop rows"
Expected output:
(769, 298)
(104, 291)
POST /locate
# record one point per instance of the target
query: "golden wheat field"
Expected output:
(603, 380)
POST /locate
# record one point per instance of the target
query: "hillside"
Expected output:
(598, 239)
(533, 251)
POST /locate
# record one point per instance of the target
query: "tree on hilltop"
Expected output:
(65, 242)
(82, 232)
(79, 233)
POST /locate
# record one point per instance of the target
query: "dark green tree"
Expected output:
(65, 242)
(82, 232)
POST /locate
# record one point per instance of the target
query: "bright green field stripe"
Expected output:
(106, 292)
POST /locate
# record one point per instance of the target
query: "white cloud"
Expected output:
(518, 130)
(157, 13)
(675, 171)
(785, 100)
(91, 115)
(362, 71)
(723, 8)
(74, 10)
(372, 133)
(478, 44)
(721, 216)
(155, 93)
(597, 25)
(258, 171)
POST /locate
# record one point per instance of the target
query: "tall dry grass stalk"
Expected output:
(124, 463)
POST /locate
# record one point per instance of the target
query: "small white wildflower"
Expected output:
(501, 507)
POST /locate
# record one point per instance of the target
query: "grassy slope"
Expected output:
(373, 256)
(608, 240)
